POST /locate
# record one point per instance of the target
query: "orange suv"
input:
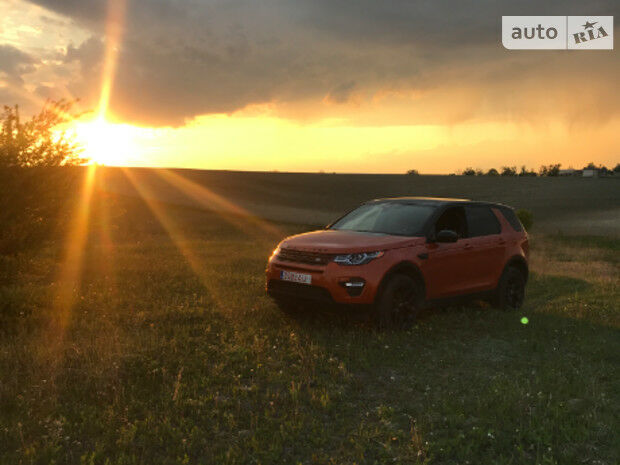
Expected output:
(397, 255)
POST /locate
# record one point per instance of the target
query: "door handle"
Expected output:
(467, 246)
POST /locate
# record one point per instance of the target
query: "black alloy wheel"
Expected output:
(511, 289)
(399, 303)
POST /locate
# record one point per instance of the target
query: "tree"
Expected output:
(492, 172)
(602, 169)
(35, 185)
(524, 172)
(617, 168)
(469, 171)
(413, 172)
(38, 142)
(509, 170)
(550, 170)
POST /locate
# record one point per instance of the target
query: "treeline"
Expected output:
(544, 170)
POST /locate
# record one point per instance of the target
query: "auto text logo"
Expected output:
(558, 32)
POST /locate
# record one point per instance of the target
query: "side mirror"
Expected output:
(447, 235)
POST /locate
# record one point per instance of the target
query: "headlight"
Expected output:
(357, 258)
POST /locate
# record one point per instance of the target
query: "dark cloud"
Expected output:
(86, 10)
(431, 23)
(14, 63)
(341, 93)
(48, 93)
(179, 59)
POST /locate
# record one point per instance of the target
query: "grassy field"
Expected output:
(168, 351)
(569, 205)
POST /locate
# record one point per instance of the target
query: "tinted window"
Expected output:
(400, 219)
(452, 219)
(512, 218)
(481, 221)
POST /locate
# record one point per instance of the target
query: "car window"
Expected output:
(512, 218)
(454, 220)
(394, 218)
(481, 221)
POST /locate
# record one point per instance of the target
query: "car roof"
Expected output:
(437, 201)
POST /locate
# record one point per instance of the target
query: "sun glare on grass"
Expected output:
(106, 143)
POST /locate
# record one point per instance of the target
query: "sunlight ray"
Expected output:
(106, 245)
(174, 231)
(113, 35)
(70, 270)
(229, 211)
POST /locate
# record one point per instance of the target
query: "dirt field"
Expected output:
(568, 205)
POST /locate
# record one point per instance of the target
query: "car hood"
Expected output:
(339, 241)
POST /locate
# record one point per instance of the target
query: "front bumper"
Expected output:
(329, 282)
(295, 291)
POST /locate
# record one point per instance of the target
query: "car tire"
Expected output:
(398, 303)
(510, 292)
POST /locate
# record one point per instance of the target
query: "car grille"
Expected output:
(278, 288)
(299, 256)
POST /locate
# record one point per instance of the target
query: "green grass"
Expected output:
(162, 363)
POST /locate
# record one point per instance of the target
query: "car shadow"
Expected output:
(541, 290)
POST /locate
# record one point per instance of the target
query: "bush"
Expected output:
(35, 183)
(34, 205)
(526, 217)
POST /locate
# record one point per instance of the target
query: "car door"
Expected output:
(446, 265)
(487, 247)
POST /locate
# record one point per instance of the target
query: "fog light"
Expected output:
(354, 286)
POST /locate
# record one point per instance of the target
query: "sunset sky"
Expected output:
(289, 85)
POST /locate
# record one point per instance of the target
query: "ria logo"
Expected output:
(558, 32)
(580, 37)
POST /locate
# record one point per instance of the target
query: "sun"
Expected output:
(106, 143)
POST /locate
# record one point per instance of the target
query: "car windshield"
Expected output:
(395, 218)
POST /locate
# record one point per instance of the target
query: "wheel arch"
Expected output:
(407, 268)
(520, 263)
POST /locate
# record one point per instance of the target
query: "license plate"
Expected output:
(296, 277)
